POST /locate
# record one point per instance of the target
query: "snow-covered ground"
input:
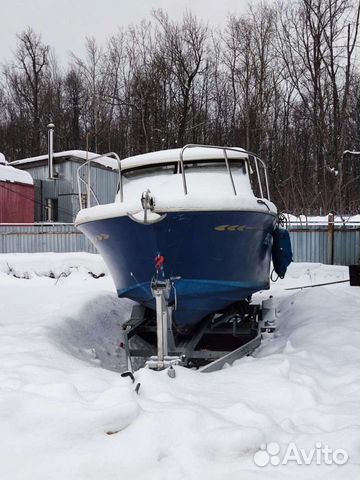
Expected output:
(61, 394)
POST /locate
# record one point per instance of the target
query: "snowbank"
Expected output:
(24, 265)
(60, 403)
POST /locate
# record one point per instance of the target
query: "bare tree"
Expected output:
(184, 51)
(93, 73)
(317, 42)
(25, 80)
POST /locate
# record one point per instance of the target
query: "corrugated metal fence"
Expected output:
(331, 244)
(43, 237)
(337, 244)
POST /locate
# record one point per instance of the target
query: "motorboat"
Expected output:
(199, 216)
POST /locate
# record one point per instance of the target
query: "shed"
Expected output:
(16, 194)
(57, 199)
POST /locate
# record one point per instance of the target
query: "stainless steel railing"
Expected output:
(257, 162)
(251, 157)
(81, 181)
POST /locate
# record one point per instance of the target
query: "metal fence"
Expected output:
(43, 237)
(331, 244)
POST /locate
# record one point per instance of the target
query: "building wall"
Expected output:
(59, 189)
(103, 181)
(65, 188)
(16, 203)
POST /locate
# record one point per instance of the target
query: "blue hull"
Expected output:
(220, 257)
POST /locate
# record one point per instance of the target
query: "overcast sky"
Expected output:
(64, 24)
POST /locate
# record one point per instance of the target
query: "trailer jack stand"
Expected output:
(161, 292)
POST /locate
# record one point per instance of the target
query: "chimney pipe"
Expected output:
(50, 128)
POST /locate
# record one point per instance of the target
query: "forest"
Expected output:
(281, 80)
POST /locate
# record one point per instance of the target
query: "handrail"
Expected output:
(88, 162)
(90, 189)
(181, 163)
(229, 171)
(266, 177)
(225, 149)
(182, 168)
(259, 178)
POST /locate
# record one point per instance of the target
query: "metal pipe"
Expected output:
(266, 177)
(50, 128)
(229, 171)
(49, 210)
(258, 176)
(182, 168)
(80, 179)
(120, 182)
(232, 149)
(159, 292)
(160, 327)
(88, 182)
(79, 186)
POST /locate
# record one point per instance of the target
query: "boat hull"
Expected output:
(217, 258)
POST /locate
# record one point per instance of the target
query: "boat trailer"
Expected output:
(221, 338)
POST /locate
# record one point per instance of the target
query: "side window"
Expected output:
(258, 177)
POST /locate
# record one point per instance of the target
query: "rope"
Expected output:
(317, 285)
(271, 276)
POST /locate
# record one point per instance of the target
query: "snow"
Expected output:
(350, 152)
(82, 154)
(209, 189)
(61, 394)
(175, 203)
(11, 174)
(210, 181)
(3, 159)
(163, 156)
(173, 155)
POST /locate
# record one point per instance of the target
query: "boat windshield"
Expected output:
(236, 165)
(216, 165)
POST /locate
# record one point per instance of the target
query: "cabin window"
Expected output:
(194, 170)
(236, 166)
(165, 169)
